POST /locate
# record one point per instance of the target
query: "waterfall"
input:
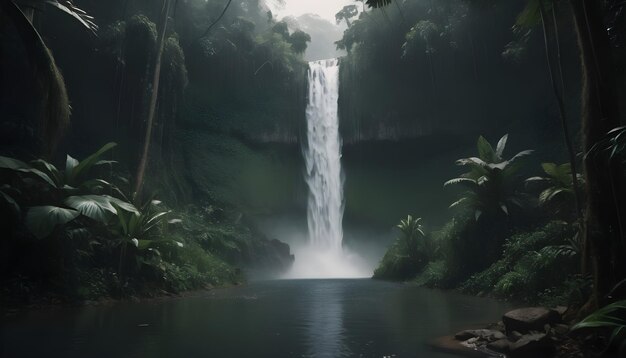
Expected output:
(322, 156)
(324, 255)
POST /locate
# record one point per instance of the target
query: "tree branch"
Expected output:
(216, 20)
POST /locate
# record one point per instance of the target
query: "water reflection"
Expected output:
(325, 331)
(287, 318)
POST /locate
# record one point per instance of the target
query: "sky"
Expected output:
(317, 18)
(324, 8)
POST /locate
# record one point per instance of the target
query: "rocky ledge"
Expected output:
(535, 332)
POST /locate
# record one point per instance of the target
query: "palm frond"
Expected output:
(467, 181)
(68, 7)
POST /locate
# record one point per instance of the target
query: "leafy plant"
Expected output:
(143, 229)
(408, 255)
(56, 197)
(535, 266)
(558, 182)
(612, 316)
(613, 146)
(492, 181)
(412, 231)
(144, 232)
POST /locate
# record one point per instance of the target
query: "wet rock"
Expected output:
(500, 346)
(529, 319)
(532, 345)
(561, 310)
(451, 345)
(498, 326)
(515, 336)
(471, 343)
(483, 334)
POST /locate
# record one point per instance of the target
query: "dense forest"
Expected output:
(156, 148)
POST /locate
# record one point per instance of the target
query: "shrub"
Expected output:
(409, 253)
(532, 267)
(435, 274)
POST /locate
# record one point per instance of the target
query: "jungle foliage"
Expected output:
(511, 240)
(77, 233)
(560, 267)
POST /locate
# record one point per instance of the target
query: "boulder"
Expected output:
(534, 345)
(529, 319)
(482, 334)
(515, 336)
(500, 346)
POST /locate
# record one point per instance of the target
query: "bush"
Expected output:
(435, 274)
(466, 246)
(397, 264)
(533, 267)
(409, 253)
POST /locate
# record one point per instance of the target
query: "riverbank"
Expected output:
(10, 306)
(523, 333)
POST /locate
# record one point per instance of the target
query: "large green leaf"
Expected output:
(124, 205)
(485, 150)
(38, 173)
(12, 163)
(88, 162)
(473, 161)
(501, 146)
(467, 181)
(520, 155)
(154, 220)
(122, 219)
(70, 165)
(19, 166)
(49, 169)
(15, 208)
(96, 207)
(611, 316)
(41, 220)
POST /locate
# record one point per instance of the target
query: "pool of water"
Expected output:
(282, 318)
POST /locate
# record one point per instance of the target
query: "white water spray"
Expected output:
(324, 255)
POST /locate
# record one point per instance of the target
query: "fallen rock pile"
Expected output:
(524, 332)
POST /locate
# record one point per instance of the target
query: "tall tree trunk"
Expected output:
(603, 233)
(143, 161)
(561, 105)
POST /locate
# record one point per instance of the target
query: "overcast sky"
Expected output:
(324, 8)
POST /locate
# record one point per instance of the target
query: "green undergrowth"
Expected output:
(536, 267)
(75, 233)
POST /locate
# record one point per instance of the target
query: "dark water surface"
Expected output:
(284, 318)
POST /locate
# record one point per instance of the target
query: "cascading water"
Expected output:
(324, 256)
(322, 157)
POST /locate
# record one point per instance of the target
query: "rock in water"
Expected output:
(483, 334)
(529, 319)
(535, 345)
(500, 346)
